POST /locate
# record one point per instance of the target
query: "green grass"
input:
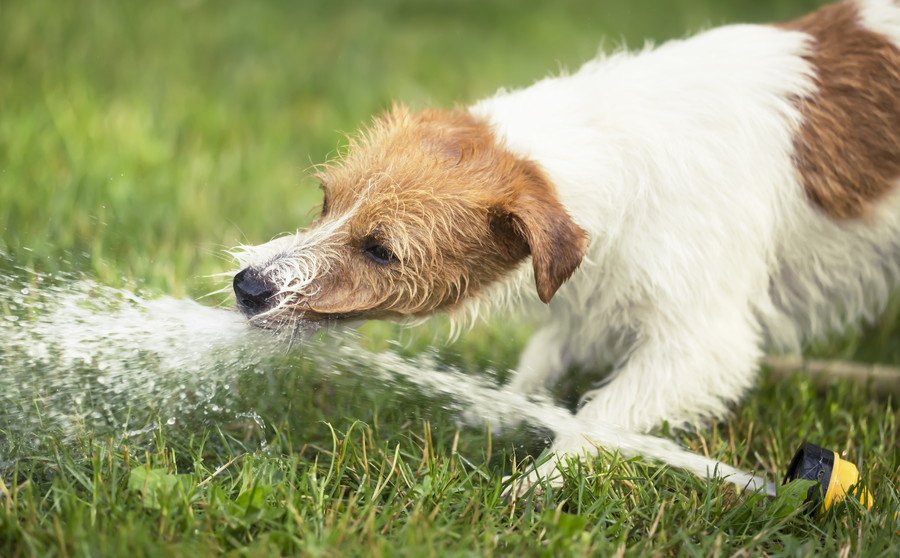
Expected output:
(138, 140)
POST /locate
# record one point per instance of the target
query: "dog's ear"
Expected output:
(536, 218)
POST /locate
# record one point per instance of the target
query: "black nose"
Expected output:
(252, 292)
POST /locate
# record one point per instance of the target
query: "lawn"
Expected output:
(139, 140)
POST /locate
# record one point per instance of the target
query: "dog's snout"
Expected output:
(253, 293)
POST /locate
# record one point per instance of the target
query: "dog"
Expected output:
(671, 212)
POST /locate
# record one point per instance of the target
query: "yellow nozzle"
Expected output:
(835, 477)
(844, 476)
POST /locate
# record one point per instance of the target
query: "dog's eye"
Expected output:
(324, 201)
(379, 253)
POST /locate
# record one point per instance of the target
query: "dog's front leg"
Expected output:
(682, 372)
(542, 362)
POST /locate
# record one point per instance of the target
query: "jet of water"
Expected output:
(90, 356)
(490, 401)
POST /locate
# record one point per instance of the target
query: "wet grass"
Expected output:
(407, 482)
(138, 140)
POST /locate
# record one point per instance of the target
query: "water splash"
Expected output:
(78, 356)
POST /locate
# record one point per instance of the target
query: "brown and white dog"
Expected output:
(671, 211)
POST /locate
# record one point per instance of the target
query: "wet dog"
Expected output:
(671, 212)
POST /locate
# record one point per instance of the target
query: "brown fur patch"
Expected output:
(848, 148)
(457, 209)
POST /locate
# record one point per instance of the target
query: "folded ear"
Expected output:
(556, 244)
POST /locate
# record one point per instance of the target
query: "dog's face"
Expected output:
(423, 212)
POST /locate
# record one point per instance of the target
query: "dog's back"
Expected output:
(840, 259)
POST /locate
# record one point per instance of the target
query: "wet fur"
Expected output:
(675, 188)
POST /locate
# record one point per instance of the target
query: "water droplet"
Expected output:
(171, 421)
(25, 291)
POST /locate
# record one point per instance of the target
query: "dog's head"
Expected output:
(424, 211)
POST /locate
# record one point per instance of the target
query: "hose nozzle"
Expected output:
(834, 477)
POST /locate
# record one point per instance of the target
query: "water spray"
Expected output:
(90, 351)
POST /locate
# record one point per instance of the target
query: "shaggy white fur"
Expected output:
(704, 249)
(677, 160)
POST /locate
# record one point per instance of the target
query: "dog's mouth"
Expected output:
(288, 318)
